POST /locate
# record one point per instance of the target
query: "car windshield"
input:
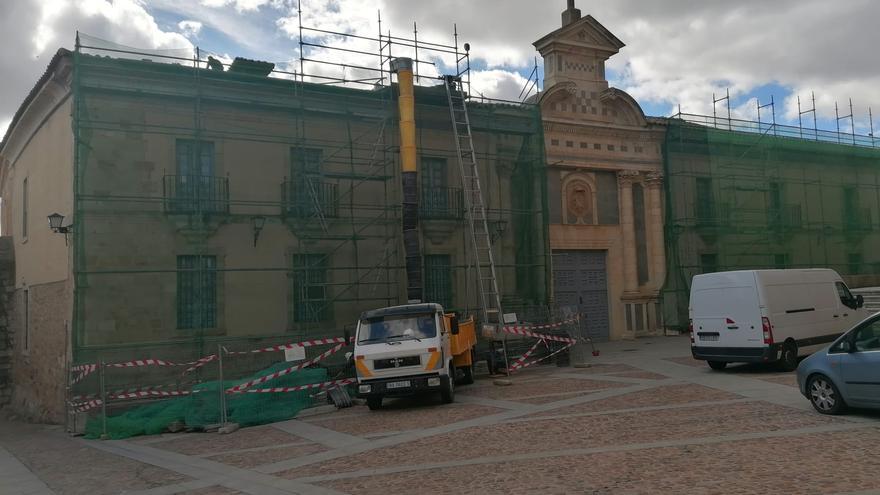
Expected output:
(396, 328)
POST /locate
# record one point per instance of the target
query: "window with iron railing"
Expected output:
(309, 295)
(195, 188)
(438, 279)
(196, 292)
(704, 204)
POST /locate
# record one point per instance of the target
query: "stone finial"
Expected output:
(571, 14)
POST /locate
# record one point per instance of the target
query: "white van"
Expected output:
(768, 315)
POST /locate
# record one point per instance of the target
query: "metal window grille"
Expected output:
(196, 292)
(438, 279)
(309, 289)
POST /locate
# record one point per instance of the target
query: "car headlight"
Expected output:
(364, 389)
(434, 381)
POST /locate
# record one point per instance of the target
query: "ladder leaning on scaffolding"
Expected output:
(475, 207)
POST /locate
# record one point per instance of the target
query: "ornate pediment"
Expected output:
(586, 32)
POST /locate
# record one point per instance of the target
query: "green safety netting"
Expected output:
(202, 407)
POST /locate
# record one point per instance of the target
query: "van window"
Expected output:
(846, 297)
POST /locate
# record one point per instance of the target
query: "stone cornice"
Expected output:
(565, 126)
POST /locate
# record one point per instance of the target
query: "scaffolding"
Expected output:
(224, 206)
(757, 195)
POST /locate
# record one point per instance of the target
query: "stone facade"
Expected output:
(7, 287)
(605, 177)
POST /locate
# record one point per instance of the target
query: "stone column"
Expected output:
(625, 180)
(654, 217)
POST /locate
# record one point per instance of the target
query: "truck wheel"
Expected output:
(448, 392)
(468, 371)
(717, 365)
(788, 361)
(374, 402)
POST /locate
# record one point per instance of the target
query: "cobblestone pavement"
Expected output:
(642, 418)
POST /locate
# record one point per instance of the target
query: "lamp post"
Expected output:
(259, 223)
(56, 221)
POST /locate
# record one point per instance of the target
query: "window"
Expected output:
(437, 199)
(26, 316)
(305, 161)
(610, 147)
(846, 297)
(569, 144)
(554, 142)
(597, 146)
(309, 288)
(438, 280)
(867, 338)
(708, 263)
(705, 208)
(584, 145)
(196, 292)
(24, 208)
(195, 187)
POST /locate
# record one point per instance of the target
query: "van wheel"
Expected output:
(717, 365)
(374, 402)
(789, 359)
(824, 395)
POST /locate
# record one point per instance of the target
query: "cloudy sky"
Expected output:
(678, 51)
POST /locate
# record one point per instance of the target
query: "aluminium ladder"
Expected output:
(475, 207)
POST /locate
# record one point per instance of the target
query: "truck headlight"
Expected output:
(364, 389)
(434, 381)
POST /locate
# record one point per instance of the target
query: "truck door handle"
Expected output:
(837, 316)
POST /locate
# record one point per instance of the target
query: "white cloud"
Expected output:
(32, 30)
(190, 29)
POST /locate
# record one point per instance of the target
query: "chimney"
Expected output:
(571, 14)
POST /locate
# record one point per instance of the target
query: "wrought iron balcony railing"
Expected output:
(191, 194)
(310, 198)
(441, 203)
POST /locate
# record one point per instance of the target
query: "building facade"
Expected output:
(232, 208)
(605, 182)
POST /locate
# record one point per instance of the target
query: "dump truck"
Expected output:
(412, 349)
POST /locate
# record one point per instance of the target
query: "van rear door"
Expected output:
(726, 312)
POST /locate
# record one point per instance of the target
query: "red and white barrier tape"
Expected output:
(84, 370)
(244, 386)
(149, 393)
(86, 406)
(516, 364)
(286, 347)
(522, 331)
(526, 365)
(301, 387)
(161, 362)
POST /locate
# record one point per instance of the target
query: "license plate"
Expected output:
(403, 384)
(710, 338)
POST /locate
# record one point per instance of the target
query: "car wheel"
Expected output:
(788, 361)
(448, 392)
(824, 395)
(374, 402)
(717, 365)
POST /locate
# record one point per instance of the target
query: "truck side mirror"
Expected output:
(453, 325)
(860, 301)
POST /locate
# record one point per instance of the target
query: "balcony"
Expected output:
(441, 203)
(195, 194)
(309, 198)
(857, 221)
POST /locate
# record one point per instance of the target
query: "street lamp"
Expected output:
(56, 221)
(259, 223)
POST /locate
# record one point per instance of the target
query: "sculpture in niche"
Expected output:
(579, 203)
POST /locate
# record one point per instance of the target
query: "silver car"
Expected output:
(846, 374)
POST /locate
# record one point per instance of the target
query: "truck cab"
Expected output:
(407, 350)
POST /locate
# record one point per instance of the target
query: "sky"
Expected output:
(678, 53)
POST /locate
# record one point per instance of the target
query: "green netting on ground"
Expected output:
(202, 407)
(763, 197)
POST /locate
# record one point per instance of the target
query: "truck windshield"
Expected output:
(396, 328)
